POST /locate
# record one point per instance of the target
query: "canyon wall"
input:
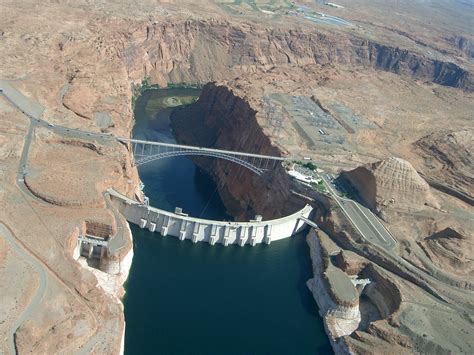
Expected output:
(207, 50)
(222, 120)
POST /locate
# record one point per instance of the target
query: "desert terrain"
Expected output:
(391, 84)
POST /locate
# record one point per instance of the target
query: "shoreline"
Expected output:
(130, 255)
(339, 320)
(112, 284)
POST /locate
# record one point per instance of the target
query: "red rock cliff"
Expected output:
(220, 119)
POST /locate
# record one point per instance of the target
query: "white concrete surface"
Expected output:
(203, 230)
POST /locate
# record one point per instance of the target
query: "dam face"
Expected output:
(185, 297)
(195, 229)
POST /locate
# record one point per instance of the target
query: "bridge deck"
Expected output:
(194, 148)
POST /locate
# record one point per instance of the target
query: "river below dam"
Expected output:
(185, 298)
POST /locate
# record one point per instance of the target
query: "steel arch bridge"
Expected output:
(148, 151)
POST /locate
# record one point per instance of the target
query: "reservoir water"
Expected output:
(185, 298)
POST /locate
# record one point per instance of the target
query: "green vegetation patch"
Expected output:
(138, 89)
(319, 186)
(307, 165)
(184, 86)
(163, 102)
(154, 105)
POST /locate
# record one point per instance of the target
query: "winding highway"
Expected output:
(34, 113)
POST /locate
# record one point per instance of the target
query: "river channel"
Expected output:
(185, 298)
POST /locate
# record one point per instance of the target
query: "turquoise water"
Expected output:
(185, 298)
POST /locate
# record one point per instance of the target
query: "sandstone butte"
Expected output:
(396, 88)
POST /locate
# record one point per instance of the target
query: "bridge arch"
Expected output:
(172, 154)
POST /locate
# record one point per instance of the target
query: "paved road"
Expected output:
(366, 223)
(34, 113)
(210, 150)
(38, 296)
(118, 241)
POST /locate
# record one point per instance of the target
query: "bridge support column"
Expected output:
(142, 223)
(195, 238)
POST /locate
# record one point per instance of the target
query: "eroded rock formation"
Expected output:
(175, 52)
(222, 120)
(448, 161)
(451, 249)
(391, 183)
(351, 312)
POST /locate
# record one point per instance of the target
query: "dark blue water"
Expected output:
(185, 298)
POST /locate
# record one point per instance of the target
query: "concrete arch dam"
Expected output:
(204, 230)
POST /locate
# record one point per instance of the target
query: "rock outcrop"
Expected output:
(222, 120)
(448, 161)
(338, 307)
(391, 183)
(451, 249)
(177, 52)
(463, 43)
(356, 311)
